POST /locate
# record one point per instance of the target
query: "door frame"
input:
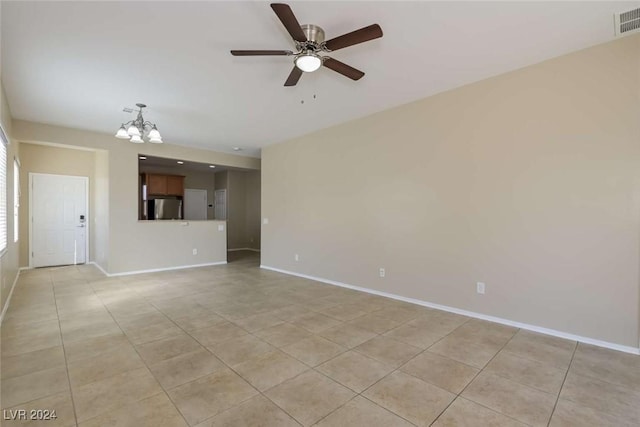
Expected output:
(87, 222)
(226, 205)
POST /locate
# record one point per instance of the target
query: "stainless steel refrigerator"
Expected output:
(164, 209)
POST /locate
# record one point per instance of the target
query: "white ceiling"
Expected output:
(78, 64)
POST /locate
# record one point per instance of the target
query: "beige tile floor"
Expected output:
(238, 346)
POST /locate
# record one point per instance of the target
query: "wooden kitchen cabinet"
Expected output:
(175, 185)
(156, 184)
(165, 185)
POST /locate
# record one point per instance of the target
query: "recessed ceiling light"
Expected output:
(142, 158)
(180, 162)
(237, 149)
(212, 166)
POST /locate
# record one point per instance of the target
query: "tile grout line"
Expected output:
(217, 358)
(360, 394)
(575, 348)
(263, 394)
(64, 352)
(143, 362)
(503, 348)
(459, 395)
(356, 394)
(408, 360)
(282, 351)
(260, 393)
(32, 351)
(396, 369)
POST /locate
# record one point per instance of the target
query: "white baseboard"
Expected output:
(243, 249)
(533, 328)
(99, 267)
(156, 270)
(6, 304)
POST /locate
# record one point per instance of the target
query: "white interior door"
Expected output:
(220, 204)
(195, 204)
(59, 219)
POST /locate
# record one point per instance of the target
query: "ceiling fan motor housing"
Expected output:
(315, 37)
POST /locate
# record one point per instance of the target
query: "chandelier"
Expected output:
(134, 130)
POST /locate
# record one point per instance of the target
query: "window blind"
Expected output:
(3, 189)
(16, 198)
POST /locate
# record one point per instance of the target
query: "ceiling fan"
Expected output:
(309, 40)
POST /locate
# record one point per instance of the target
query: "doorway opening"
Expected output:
(237, 200)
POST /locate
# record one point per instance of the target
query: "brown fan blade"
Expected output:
(342, 68)
(289, 21)
(260, 52)
(358, 36)
(293, 78)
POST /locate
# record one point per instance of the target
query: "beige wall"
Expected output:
(58, 161)
(167, 244)
(221, 180)
(133, 245)
(8, 260)
(236, 210)
(101, 211)
(529, 182)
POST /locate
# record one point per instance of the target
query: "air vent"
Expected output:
(627, 22)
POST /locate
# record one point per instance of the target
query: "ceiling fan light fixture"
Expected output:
(122, 133)
(308, 62)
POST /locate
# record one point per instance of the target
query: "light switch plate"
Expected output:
(265, 221)
(220, 227)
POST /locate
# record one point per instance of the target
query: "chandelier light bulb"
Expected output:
(133, 131)
(122, 133)
(154, 134)
(156, 140)
(136, 139)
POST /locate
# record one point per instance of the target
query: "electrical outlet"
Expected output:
(296, 257)
(480, 288)
(382, 272)
(195, 251)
